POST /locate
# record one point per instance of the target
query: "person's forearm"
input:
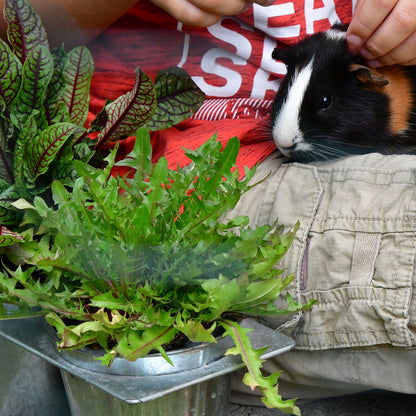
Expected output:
(74, 22)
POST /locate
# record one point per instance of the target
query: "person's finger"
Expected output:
(397, 27)
(404, 54)
(368, 16)
(229, 7)
(188, 13)
(409, 63)
(205, 12)
(221, 7)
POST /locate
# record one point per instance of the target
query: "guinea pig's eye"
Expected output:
(325, 102)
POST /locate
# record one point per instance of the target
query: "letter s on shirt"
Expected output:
(210, 65)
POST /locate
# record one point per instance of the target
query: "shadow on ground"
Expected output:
(374, 403)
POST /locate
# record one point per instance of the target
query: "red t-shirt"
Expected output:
(230, 61)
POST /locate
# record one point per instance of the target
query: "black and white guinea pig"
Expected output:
(331, 105)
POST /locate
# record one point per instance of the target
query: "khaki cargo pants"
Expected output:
(355, 254)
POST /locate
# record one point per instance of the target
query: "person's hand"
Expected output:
(384, 31)
(205, 13)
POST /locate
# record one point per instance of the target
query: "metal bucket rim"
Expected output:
(184, 359)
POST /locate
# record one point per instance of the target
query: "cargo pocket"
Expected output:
(354, 252)
(293, 194)
(358, 260)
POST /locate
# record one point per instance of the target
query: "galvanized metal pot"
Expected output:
(29, 385)
(201, 390)
(151, 374)
(203, 399)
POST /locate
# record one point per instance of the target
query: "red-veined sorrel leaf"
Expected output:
(60, 58)
(101, 118)
(25, 30)
(78, 72)
(54, 109)
(6, 157)
(6, 167)
(130, 111)
(10, 74)
(37, 73)
(7, 216)
(8, 195)
(23, 139)
(8, 237)
(41, 151)
(178, 97)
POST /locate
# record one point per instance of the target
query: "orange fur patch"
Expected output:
(399, 91)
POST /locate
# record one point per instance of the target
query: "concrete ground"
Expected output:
(374, 403)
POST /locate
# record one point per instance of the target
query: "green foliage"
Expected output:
(44, 98)
(126, 263)
(176, 98)
(137, 268)
(254, 377)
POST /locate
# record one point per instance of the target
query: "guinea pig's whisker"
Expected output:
(324, 151)
(346, 144)
(329, 152)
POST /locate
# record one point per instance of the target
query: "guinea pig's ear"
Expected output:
(367, 76)
(279, 54)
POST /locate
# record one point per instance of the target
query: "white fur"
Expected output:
(286, 131)
(335, 34)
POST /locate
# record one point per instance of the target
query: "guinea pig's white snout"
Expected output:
(288, 144)
(286, 131)
(287, 134)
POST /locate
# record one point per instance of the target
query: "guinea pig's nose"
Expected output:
(288, 150)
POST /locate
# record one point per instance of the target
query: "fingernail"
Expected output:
(374, 63)
(354, 42)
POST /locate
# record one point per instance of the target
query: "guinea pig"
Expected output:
(331, 105)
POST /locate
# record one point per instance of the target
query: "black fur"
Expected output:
(356, 120)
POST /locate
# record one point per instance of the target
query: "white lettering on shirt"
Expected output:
(326, 12)
(262, 15)
(210, 65)
(262, 82)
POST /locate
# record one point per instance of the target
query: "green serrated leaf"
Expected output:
(258, 293)
(54, 320)
(78, 72)
(140, 158)
(178, 98)
(107, 300)
(130, 111)
(156, 186)
(195, 331)
(135, 344)
(25, 31)
(254, 377)
(223, 167)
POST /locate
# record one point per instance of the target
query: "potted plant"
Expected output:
(134, 263)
